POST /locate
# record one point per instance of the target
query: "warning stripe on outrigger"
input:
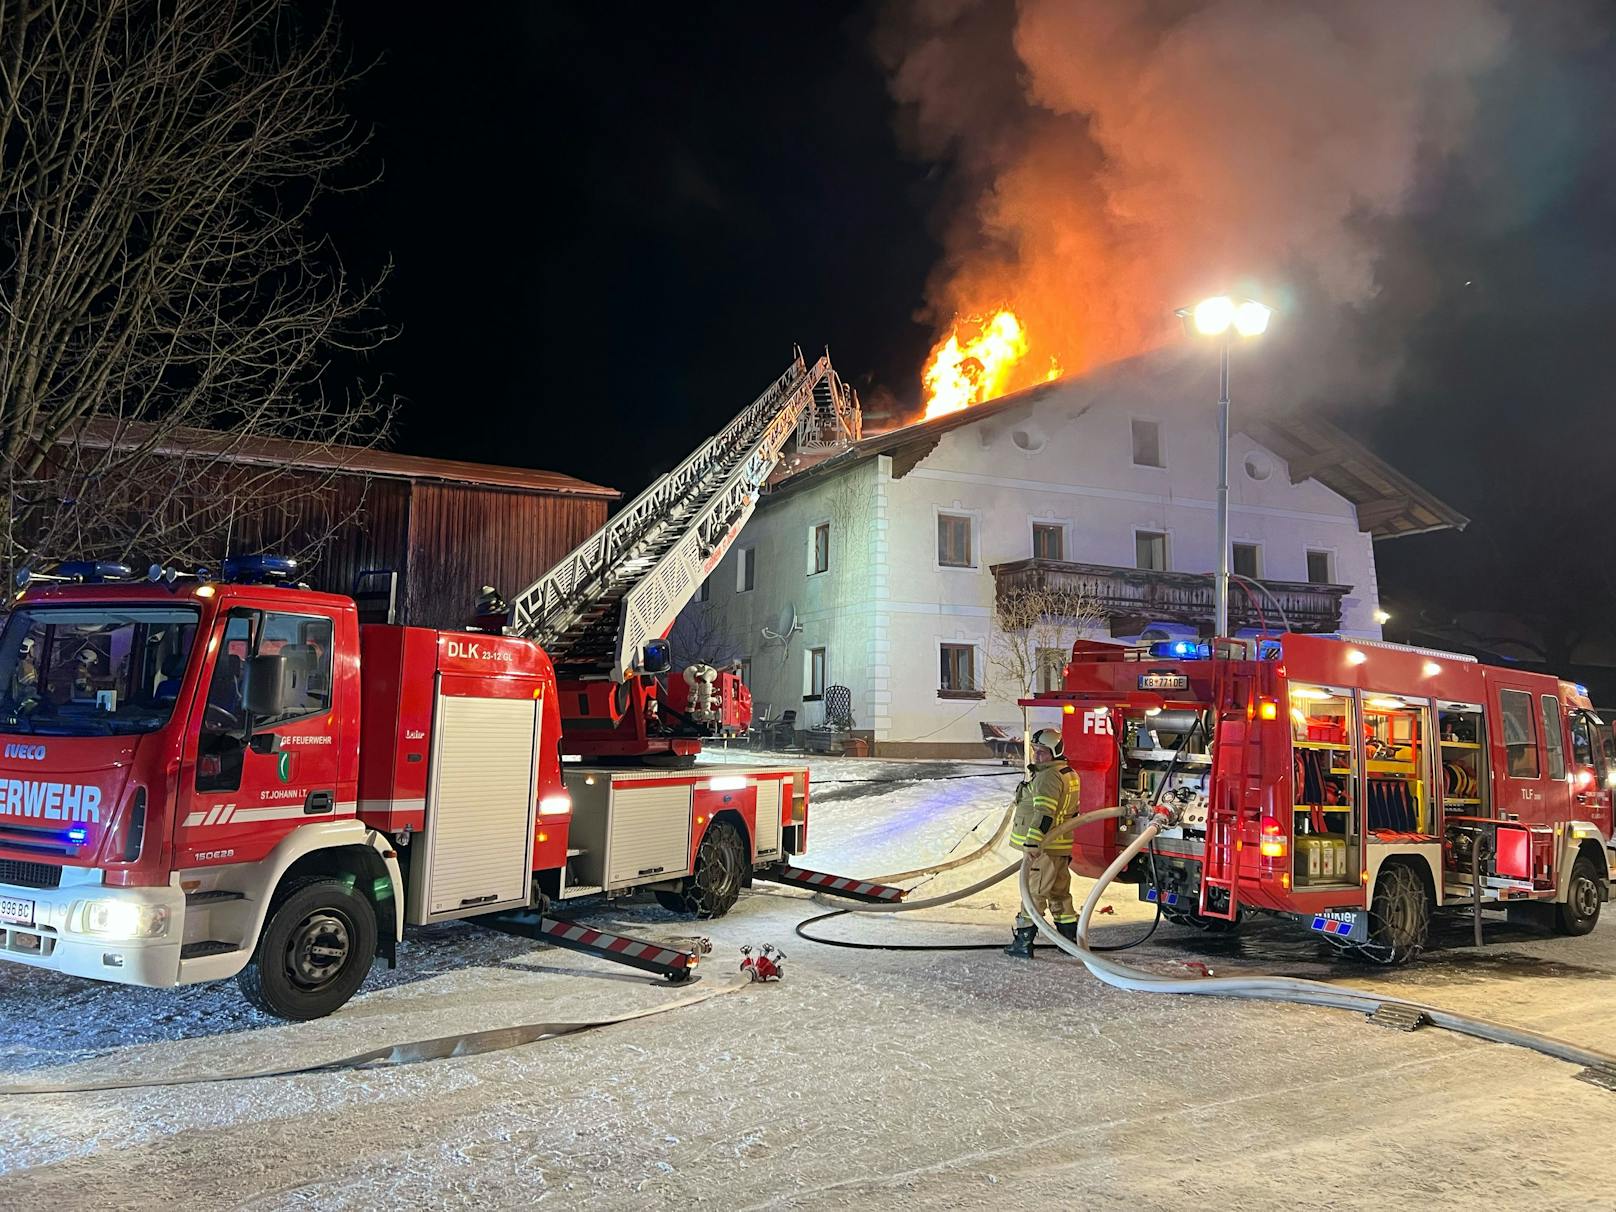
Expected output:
(676, 966)
(836, 885)
(650, 956)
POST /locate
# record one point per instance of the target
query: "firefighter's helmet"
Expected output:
(1050, 739)
(490, 612)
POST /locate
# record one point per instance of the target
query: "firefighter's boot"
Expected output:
(1068, 931)
(1021, 942)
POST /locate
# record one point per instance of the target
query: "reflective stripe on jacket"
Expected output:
(1043, 802)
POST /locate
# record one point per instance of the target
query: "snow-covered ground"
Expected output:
(939, 1079)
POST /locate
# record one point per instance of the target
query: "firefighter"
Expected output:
(1043, 802)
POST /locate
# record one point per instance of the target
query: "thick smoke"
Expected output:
(1115, 159)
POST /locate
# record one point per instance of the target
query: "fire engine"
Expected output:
(1354, 786)
(204, 778)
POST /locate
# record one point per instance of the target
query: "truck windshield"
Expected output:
(92, 670)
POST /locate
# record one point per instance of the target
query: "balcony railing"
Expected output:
(1132, 598)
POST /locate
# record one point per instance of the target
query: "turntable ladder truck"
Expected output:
(202, 779)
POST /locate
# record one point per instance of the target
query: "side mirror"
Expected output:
(268, 685)
(656, 657)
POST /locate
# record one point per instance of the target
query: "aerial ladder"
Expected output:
(604, 611)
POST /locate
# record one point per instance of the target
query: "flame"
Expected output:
(975, 362)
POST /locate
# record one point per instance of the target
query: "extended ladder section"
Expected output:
(1234, 809)
(625, 584)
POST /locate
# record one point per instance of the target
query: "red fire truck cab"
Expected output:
(204, 780)
(1354, 786)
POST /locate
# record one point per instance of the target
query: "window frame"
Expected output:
(1256, 554)
(745, 569)
(1050, 661)
(822, 653)
(1160, 443)
(1553, 736)
(970, 520)
(1059, 531)
(1328, 556)
(1166, 549)
(815, 567)
(1535, 742)
(948, 670)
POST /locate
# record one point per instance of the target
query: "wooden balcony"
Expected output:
(1132, 598)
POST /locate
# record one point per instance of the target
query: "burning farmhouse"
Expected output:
(940, 570)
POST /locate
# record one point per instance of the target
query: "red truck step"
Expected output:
(674, 966)
(836, 885)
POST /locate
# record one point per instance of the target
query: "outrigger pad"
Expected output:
(836, 885)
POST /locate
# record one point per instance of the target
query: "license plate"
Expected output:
(1164, 681)
(16, 910)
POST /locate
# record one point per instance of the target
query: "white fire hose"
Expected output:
(1268, 988)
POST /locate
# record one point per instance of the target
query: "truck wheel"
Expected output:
(1399, 918)
(715, 885)
(315, 950)
(1580, 913)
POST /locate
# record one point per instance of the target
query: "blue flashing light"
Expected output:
(95, 572)
(1181, 650)
(259, 569)
(78, 835)
(1582, 690)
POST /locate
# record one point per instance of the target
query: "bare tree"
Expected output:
(702, 635)
(160, 288)
(1033, 631)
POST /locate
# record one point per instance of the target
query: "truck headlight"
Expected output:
(120, 919)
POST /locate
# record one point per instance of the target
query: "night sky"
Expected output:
(609, 228)
(609, 223)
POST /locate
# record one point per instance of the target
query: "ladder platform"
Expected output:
(836, 885)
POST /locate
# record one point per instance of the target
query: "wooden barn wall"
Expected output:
(464, 537)
(365, 523)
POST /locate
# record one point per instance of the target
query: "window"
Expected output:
(294, 650)
(1146, 444)
(1150, 550)
(745, 569)
(94, 669)
(821, 547)
(1519, 740)
(703, 591)
(746, 672)
(1048, 541)
(954, 541)
(1247, 560)
(958, 675)
(816, 675)
(1582, 739)
(1553, 741)
(1318, 568)
(1051, 667)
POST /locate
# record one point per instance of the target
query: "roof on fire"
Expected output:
(1390, 505)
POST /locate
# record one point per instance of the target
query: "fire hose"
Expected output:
(413, 1052)
(933, 902)
(1273, 988)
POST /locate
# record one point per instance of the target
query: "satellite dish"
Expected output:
(785, 626)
